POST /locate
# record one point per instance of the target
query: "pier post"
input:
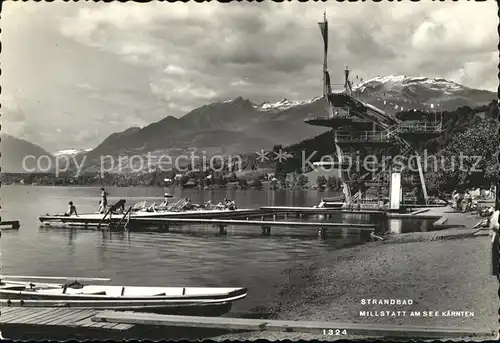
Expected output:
(266, 230)
(222, 230)
(322, 232)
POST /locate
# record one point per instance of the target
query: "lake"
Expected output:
(198, 258)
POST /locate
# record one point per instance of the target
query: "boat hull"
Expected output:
(181, 301)
(194, 309)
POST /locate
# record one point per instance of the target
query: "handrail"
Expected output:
(421, 126)
(356, 136)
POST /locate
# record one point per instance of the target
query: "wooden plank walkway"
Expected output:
(317, 210)
(262, 223)
(68, 317)
(289, 326)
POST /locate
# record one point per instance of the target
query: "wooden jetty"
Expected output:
(9, 224)
(92, 220)
(347, 329)
(53, 316)
(316, 210)
(265, 225)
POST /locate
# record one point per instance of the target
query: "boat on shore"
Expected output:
(210, 301)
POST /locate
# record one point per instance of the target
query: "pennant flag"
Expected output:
(327, 81)
(324, 32)
(432, 105)
(385, 102)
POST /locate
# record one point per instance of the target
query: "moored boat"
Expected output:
(333, 202)
(211, 301)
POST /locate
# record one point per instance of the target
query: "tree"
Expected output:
(469, 160)
(333, 183)
(321, 181)
(302, 180)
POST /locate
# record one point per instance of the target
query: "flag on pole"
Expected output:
(323, 26)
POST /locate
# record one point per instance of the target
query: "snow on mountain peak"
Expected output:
(283, 104)
(69, 152)
(398, 82)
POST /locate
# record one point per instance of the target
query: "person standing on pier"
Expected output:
(103, 203)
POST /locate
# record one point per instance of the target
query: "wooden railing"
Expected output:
(363, 136)
(421, 126)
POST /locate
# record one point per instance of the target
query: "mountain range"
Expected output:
(15, 150)
(238, 125)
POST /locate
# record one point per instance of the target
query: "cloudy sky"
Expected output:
(73, 73)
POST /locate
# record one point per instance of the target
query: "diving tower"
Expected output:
(358, 126)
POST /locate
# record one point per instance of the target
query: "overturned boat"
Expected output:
(212, 301)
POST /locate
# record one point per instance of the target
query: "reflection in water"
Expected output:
(194, 258)
(395, 225)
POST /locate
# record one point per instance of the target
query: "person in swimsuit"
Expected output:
(165, 200)
(103, 203)
(119, 206)
(71, 210)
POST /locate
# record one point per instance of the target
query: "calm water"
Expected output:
(199, 258)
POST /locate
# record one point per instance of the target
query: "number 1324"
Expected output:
(336, 332)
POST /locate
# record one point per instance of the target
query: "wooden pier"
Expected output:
(53, 316)
(317, 210)
(347, 329)
(9, 224)
(265, 225)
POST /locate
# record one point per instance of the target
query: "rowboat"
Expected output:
(333, 202)
(212, 301)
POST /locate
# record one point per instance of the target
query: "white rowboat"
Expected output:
(211, 301)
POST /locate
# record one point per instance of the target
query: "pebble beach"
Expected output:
(446, 273)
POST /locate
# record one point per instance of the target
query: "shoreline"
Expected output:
(440, 270)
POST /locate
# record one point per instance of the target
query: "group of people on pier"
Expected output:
(182, 205)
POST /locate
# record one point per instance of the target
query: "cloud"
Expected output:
(128, 64)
